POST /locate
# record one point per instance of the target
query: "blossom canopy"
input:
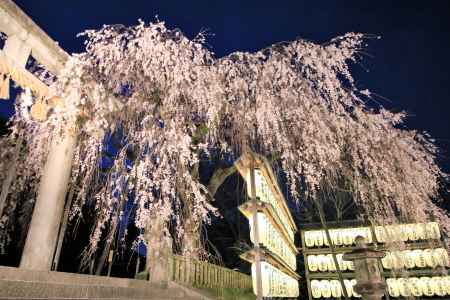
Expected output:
(172, 101)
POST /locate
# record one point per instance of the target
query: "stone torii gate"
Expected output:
(25, 39)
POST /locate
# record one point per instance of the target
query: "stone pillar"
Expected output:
(43, 232)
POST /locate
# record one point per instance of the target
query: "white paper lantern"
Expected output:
(446, 281)
(316, 289)
(403, 232)
(433, 231)
(336, 289)
(420, 258)
(318, 238)
(426, 286)
(347, 236)
(409, 259)
(322, 263)
(434, 285)
(415, 287)
(438, 286)
(410, 232)
(309, 239)
(312, 263)
(393, 288)
(441, 256)
(387, 261)
(429, 259)
(420, 229)
(403, 287)
(275, 283)
(325, 288)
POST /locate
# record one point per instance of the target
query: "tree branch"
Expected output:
(218, 177)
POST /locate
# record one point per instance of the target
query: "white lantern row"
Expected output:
(418, 287)
(324, 263)
(393, 233)
(408, 232)
(264, 194)
(332, 288)
(428, 258)
(272, 239)
(275, 283)
(339, 237)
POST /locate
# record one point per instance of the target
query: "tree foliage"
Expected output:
(173, 101)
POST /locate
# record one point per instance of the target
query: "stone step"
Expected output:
(22, 284)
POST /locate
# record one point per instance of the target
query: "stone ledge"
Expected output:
(18, 283)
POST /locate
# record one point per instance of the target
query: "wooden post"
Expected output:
(256, 231)
(333, 250)
(308, 280)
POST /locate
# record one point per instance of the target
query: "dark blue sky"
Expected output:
(410, 64)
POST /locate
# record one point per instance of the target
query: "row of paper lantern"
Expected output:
(275, 283)
(392, 233)
(416, 259)
(332, 288)
(264, 193)
(408, 232)
(418, 287)
(272, 239)
(325, 262)
(339, 237)
(397, 287)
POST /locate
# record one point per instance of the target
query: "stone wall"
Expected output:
(18, 283)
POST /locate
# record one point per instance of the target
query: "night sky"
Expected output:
(408, 66)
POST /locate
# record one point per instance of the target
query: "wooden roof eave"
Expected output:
(243, 165)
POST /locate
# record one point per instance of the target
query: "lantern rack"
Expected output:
(432, 243)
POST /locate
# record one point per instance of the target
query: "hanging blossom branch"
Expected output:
(295, 100)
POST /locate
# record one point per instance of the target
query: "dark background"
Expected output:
(408, 66)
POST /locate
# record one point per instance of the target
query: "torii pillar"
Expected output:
(25, 38)
(42, 235)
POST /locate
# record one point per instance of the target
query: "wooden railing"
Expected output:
(206, 275)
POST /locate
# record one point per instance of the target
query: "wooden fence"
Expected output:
(206, 275)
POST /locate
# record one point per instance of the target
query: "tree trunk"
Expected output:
(10, 176)
(159, 250)
(191, 238)
(218, 178)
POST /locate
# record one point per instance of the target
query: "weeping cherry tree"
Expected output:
(173, 102)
